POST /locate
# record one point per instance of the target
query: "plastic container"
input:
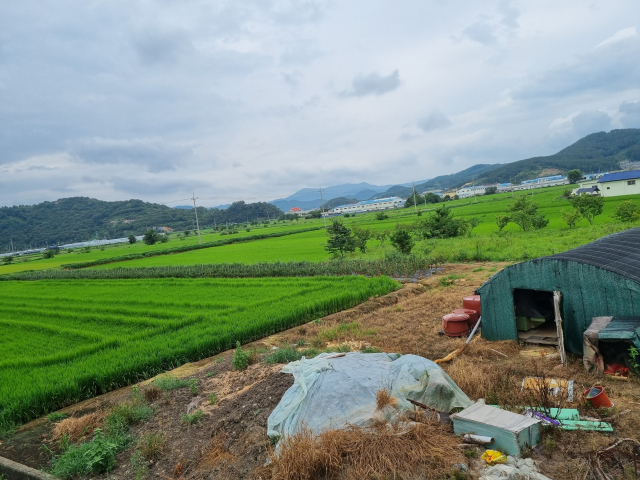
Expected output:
(472, 302)
(473, 315)
(456, 324)
(597, 398)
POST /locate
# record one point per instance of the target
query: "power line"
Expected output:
(196, 210)
(322, 208)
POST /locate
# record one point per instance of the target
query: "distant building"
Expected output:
(465, 192)
(295, 210)
(620, 183)
(166, 229)
(368, 206)
(629, 165)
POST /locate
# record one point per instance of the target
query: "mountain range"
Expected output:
(82, 218)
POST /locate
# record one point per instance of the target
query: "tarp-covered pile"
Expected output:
(332, 392)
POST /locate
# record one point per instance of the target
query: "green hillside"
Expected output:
(597, 152)
(80, 218)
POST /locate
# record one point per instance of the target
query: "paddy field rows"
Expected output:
(66, 340)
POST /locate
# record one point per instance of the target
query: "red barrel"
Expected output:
(455, 324)
(473, 315)
(472, 302)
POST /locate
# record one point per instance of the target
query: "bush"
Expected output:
(7, 260)
(626, 211)
(48, 253)
(132, 239)
(164, 238)
(381, 216)
(240, 358)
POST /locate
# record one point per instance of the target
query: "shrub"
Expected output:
(213, 398)
(626, 211)
(163, 238)
(7, 260)
(94, 457)
(48, 253)
(570, 217)
(240, 358)
(192, 418)
(132, 239)
(381, 216)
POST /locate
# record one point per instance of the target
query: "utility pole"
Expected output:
(194, 198)
(322, 208)
(11, 245)
(415, 207)
(475, 200)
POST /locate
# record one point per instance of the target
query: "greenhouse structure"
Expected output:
(601, 278)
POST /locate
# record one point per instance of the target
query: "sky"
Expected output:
(254, 100)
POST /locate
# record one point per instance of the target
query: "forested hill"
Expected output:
(597, 152)
(79, 218)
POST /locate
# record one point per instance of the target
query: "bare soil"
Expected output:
(231, 443)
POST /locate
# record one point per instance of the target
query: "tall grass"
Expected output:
(397, 265)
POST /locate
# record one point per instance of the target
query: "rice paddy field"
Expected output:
(66, 340)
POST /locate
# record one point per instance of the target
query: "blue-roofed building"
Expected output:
(620, 183)
(368, 206)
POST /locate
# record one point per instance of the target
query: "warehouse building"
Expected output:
(620, 183)
(598, 279)
(368, 206)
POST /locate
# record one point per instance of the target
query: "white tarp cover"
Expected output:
(334, 392)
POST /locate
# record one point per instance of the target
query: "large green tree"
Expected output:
(524, 213)
(589, 206)
(574, 176)
(340, 239)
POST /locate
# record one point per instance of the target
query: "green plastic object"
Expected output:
(586, 425)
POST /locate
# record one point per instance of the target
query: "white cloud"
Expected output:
(242, 99)
(619, 35)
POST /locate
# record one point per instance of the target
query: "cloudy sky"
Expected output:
(257, 99)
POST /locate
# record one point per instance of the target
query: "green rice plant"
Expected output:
(192, 418)
(68, 340)
(213, 398)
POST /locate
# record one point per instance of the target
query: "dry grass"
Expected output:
(217, 452)
(418, 451)
(384, 398)
(75, 428)
(151, 393)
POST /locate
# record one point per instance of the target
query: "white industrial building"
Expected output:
(619, 183)
(368, 206)
(470, 191)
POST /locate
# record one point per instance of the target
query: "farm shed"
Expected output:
(601, 278)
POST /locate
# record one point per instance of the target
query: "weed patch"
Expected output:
(167, 382)
(192, 418)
